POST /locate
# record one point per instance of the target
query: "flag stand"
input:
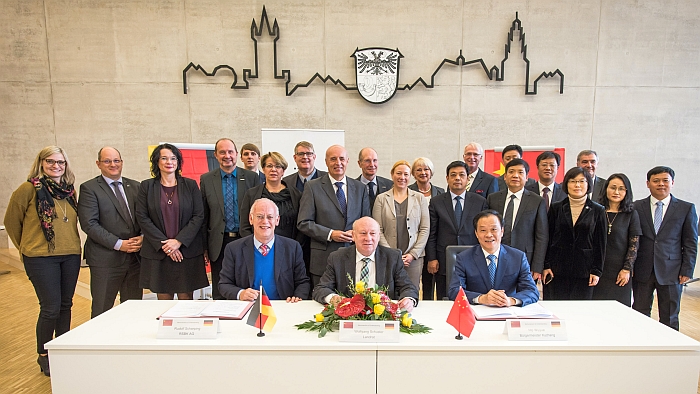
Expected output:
(261, 333)
(459, 336)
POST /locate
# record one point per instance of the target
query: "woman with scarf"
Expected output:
(42, 222)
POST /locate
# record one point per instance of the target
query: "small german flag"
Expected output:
(208, 323)
(262, 314)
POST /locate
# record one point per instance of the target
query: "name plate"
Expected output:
(187, 328)
(369, 331)
(536, 330)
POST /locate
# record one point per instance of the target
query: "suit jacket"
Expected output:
(255, 193)
(502, 183)
(213, 198)
(389, 273)
(319, 213)
(556, 195)
(383, 185)
(434, 190)
(530, 233)
(238, 268)
(417, 221)
(150, 218)
(597, 194)
(673, 250)
(444, 230)
(292, 179)
(104, 222)
(484, 184)
(576, 251)
(512, 275)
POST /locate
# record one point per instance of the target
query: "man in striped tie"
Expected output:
(668, 248)
(491, 273)
(368, 262)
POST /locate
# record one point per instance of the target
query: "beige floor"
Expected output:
(19, 372)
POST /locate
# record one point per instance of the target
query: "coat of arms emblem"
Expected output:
(377, 73)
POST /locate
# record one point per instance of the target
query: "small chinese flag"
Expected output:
(262, 315)
(461, 315)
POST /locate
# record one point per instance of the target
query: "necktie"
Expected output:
(492, 269)
(458, 210)
(470, 179)
(120, 198)
(340, 195)
(364, 272)
(302, 184)
(370, 186)
(658, 216)
(228, 202)
(508, 220)
(545, 195)
(264, 249)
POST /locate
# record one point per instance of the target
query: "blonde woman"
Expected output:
(423, 170)
(42, 222)
(404, 221)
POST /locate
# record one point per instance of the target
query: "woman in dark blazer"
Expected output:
(170, 212)
(286, 198)
(423, 170)
(624, 230)
(577, 236)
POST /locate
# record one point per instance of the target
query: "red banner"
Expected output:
(494, 166)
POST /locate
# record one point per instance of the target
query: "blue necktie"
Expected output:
(340, 194)
(458, 210)
(228, 203)
(492, 269)
(364, 273)
(658, 216)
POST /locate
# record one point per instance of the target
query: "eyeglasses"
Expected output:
(61, 163)
(108, 162)
(166, 159)
(617, 189)
(577, 182)
(275, 166)
(263, 217)
(472, 154)
(304, 154)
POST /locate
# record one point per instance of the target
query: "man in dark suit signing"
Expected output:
(223, 190)
(524, 215)
(667, 248)
(547, 167)
(451, 216)
(369, 162)
(113, 236)
(263, 257)
(588, 160)
(367, 262)
(492, 273)
(478, 181)
(328, 208)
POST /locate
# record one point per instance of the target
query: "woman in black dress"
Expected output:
(577, 233)
(170, 212)
(623, 241)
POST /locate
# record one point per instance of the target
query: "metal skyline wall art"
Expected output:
(376, 69)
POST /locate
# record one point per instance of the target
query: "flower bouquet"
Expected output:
(363, 304)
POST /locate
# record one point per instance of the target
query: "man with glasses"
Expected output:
(305, 159)
(106, 212)
(264, 258)
(478, 181)
(223, 190)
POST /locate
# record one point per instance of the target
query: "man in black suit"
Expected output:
(478, 181)
(223, 190)
(106, 208)
(263, 257)
(368, 262)
(328, 208)
(588, 160)
(451, 216)
(368, 162)
(250, 157)
(547, 166)
(667, 248)
(524, 215)
(305, 159)
(509, 153)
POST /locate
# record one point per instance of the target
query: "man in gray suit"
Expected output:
(223, 190)
(305, 159)
(328, 208)
(588, 160)
(368, 262)
(368, 162)
(524, 216)
(547, 167)
(113, 237)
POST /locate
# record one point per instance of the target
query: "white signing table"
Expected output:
(610, 349)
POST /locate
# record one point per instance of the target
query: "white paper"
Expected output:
(532, 311)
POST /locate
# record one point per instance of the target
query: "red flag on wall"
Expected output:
(461, 315)
(494, 166)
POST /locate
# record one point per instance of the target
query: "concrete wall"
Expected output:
(83, 74)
